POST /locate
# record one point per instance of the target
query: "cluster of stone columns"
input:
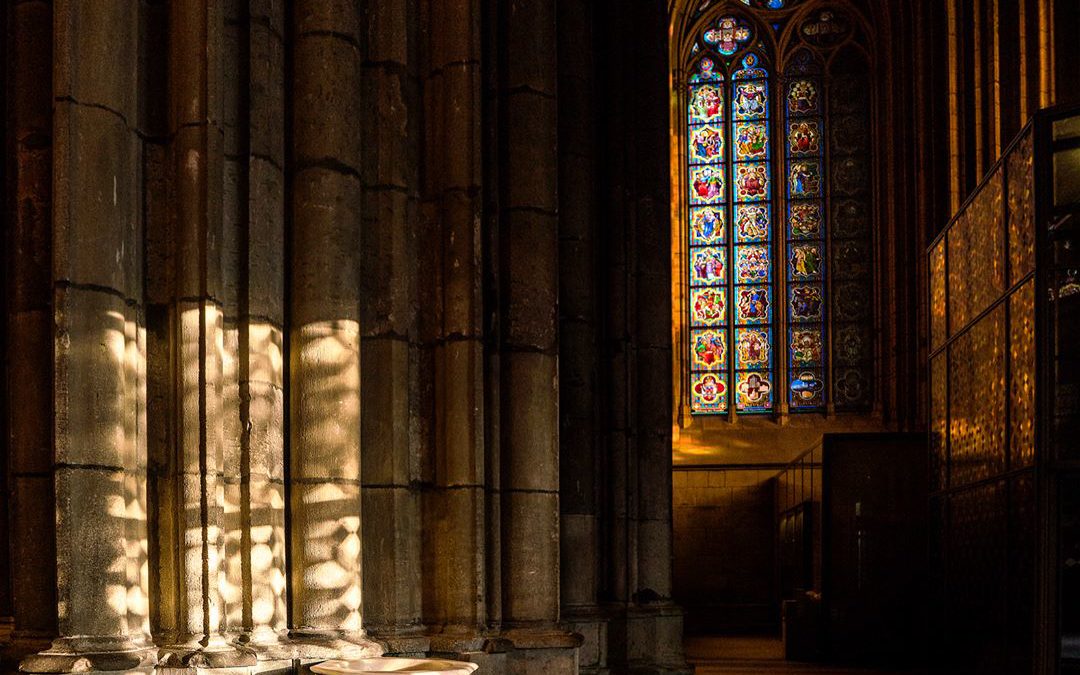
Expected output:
(286, 302)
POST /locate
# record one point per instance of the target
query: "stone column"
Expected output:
(31, 493)
(255, 232)
(529, 362)
(189, 377)
(580, 488)
(390, 123)
(324, 331)
(455, 583)
(99, 467)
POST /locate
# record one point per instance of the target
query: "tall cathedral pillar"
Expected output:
(529, 363)
(579, 458)
(324, 331)
(189, 374)
(98, 435)
(456, 586)
(389, 267)
(254, 261)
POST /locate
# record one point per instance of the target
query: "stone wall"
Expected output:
(317, 344)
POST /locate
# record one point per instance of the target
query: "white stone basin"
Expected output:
(387, 664)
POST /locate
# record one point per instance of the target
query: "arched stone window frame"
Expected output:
(779, 45)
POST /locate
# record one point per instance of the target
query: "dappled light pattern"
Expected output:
(326, 476)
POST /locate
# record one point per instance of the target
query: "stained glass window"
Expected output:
(805, 252)
(780, 252)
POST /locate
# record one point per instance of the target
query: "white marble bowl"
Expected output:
(385, 664)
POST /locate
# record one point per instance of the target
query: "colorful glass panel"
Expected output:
(752, 223)
(707, 266)
(708, 253)
(728, 35)
(804, 147)
(708, 392)
(708, 349)
(707, 226)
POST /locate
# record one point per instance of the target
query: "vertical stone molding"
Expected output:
(579, 458)
(254, 233)
(391, 495)
(455, 603)
(191, 573)
(529, 233)
(324, 332)
(30, 328)
(99, 451)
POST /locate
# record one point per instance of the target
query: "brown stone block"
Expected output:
(654, 556)
(33, 548)
(462, 293)
(30, 68)
(454, 588)
(460, 420)
(31, 228)
(531, 420)
(233, 219)
(531, 557)
(265, 358)
(531, 25)
(325, 274)
(96, 173)
(388, 101)
(532, 283)
(266, 241)
(388, 30)
(326, 102)
(579, 543)
(392, 530)
(265, 411)
(189, 63)
(457, 126)
(455, 34)
(577, 285)
(326, 548)
(328, 16)
(230, 404)
(532, 174)
(90, 535)
(96, 52)
(387, 455)
(388, 269)
(91, 411)
(266, 99)
(30, 361)
(192, 158)
(326, 401)
(542, 661)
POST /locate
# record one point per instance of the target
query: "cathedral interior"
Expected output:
(551, 336)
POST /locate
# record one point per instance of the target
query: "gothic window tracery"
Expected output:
(777, 216)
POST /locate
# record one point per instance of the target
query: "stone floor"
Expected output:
(751, 655)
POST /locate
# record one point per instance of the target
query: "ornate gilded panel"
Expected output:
(939, 422)
(938, 323)
(986, 244)
(977, 400)
(1021, 209)
(959, 245)
(1022, 374)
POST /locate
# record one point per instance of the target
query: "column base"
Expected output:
(539, 651)
(592, 626)
(192, 654)
(647, 639)
(86, 654)
(319, 645)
